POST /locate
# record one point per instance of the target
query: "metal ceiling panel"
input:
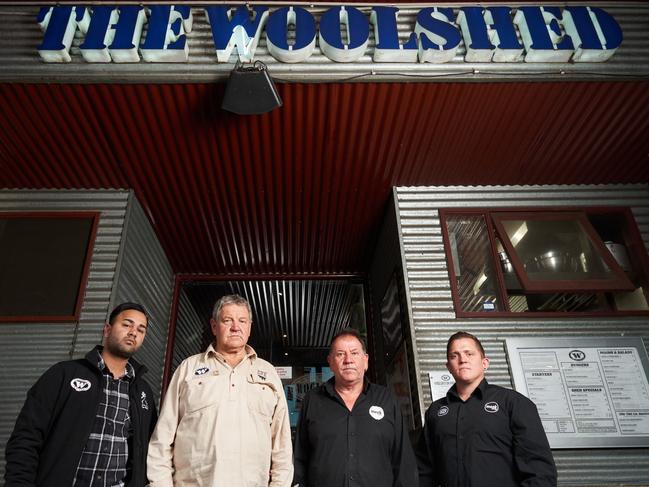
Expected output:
(290, 314)
(302, 189)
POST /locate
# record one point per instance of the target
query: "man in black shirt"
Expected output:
(482, 435)
(350, 432)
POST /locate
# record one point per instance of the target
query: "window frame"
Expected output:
(500, 282)
(93, 216)
(632, 238)
(618, 282)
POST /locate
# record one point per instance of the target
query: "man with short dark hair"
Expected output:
(479, 434)
(224, 420)
(350, 431)
(87, 422)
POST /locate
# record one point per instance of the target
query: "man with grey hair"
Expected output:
(350, 431)
(224, 420)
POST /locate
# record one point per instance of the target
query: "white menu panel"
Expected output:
(590, 392)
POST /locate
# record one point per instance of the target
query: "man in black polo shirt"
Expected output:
(482, 435)
(87, 422)
(350, 432)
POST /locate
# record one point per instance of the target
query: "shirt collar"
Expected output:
(129, 370)
(330, 386)
(211, 351)
(479, 391)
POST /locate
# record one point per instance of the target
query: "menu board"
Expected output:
(440, 382)
(590, 392)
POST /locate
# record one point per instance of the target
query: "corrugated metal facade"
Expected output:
(145, 276)
(28, 349)
(20, 36)
(433, 316)
(127, 264)
(189, 331)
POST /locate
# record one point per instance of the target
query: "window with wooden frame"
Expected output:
(44, 264)
(546, 261)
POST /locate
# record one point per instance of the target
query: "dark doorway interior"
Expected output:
(293, 323)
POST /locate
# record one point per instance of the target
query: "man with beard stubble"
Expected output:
(351, 432)
(480, 434)
(87, 422)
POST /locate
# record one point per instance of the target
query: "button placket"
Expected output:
(233, 392)
(351, 447)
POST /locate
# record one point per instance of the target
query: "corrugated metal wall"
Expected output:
(386, 263)
(189, 331)
(28, 349)
(144, 275)
(433, 317)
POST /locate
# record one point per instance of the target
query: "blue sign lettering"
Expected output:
(480, 25)
(128, 30)
(357, 28)
(165, 39)
(439, 38)
(60, 24)
(240, 31)
(387, 48)
(277, 33)
(489, 34)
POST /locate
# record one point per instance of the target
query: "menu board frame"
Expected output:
(586, 359)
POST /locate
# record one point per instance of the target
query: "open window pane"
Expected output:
(472, 263)
(558, 252)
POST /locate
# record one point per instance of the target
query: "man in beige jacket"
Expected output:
(224, 420)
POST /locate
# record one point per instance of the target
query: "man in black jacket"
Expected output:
(87, 422)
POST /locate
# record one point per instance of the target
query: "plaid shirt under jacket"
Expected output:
(104, 461)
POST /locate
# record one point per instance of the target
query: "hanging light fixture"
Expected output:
(250, 90)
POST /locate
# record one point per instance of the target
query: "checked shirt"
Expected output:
(104, 461)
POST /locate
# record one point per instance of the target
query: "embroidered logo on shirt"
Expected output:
(443, 411)
(201, 370)
(377, 412)
(145, 405)
(80, 385)
(261, 374)
(491, 407)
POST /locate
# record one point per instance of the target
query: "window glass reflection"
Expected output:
(473, 263)
(555, 250)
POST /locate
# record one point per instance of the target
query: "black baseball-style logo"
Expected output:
(577, 355)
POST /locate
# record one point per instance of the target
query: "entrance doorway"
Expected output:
(293, 324)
